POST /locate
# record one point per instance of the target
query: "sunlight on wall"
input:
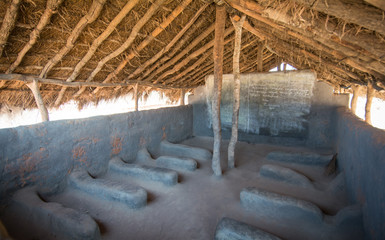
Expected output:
(17, 117)
(377, 111)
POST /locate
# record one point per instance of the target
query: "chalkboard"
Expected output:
(272, 104)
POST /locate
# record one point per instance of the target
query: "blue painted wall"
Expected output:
(44, 154)
(361, 154)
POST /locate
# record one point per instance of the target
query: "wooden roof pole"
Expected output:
(34, 86)
(8, 23)
(51, 8)
(360, 14)
(135, 31)
(353, 103)
(186, 37)
(349, 51)
(369, 100)
(90, 17)
(136, 101)
(165, 49)
(182, 95)
(195, 42)
(260, 57)
(58, 82)
(193, 55)
(95, 44)
(171, 44)
(237, 89)
(220, 20)
(139, 48)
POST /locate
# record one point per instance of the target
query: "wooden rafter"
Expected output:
(360, 14)
(90, 17)
(8, 23)
(139, 48)
(165, 49)
(190, 56)
(95, 45)
(51, 8)
(172, 61)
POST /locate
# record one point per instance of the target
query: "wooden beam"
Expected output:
(96, 43)
(191, 56)
(369, 100)
(51, 8)
(360, 14)
(175, 49)
(182, 95)
(164, 50)
(260, 57)
(8, 23)
(353, 103)
(57, 82)
(327, 38)
(134, 32)
(34, 86)
(136, 101)
(237, 87)
(220, 21)
(195, 42)
(90, 17)
(377, 3)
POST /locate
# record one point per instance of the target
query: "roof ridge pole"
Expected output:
(96, 43)
(368, 105)
(90, 17)
(34, 86)
(51, 8)
(220, 20)
(237, 23)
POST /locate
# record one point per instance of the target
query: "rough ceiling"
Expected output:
(99, 49)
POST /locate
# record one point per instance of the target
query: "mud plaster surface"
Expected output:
(192, 208)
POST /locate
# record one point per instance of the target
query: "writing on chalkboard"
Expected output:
(273, 104)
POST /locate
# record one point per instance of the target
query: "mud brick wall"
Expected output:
(44, 154)
(361, 151)
(281, 107)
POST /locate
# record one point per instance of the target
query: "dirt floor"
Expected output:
(192, 208)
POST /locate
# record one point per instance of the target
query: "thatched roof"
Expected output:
(104, 47)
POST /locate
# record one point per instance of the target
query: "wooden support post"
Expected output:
(220, 21)
(369, 99)
(353, 102)
(34, 86)
(182, 94)
(135, 87)
(284, 67)
(279, 61)
(237, 87)
(260, 58)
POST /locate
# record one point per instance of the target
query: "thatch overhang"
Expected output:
(100, 49)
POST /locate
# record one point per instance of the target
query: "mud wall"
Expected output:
(44, 154)
(281, 107)
(361, 154)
